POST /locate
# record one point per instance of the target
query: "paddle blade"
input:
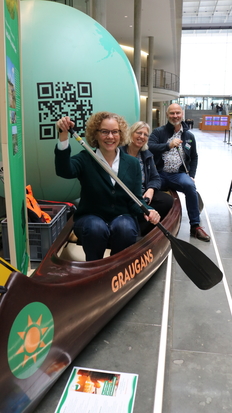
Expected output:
(196, 265)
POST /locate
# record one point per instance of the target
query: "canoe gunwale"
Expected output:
(53, 260)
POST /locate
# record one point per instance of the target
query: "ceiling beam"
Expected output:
(207, 26)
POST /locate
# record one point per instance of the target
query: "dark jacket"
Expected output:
(98, 195)
(152, 178)
(158, 145)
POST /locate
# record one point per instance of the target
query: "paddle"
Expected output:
(197, 266)
(200, 202)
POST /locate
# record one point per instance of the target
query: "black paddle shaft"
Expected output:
(200, 202)
(196, 265)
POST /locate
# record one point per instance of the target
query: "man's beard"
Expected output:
(175, 123)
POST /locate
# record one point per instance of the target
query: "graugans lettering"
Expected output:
(119, 280)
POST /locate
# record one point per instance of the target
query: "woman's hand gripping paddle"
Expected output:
(196, 265)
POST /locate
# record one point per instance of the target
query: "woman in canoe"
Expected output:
(137, 146)
(106, 216)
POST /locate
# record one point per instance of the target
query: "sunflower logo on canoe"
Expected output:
(30, 339)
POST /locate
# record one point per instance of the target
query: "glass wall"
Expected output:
(205, 102)
(206, 61)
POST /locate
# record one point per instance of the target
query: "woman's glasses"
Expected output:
(106, 132)
(142, 133)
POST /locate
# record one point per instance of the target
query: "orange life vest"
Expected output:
(35, 213)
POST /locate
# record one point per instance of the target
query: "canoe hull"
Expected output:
(49, 318)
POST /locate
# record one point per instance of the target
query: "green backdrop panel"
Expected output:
(71, 66)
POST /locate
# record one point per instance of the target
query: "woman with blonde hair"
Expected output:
(106, 216)
(136, 146)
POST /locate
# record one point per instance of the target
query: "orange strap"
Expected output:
(34, 206)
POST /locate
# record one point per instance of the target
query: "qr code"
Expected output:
(63, 99)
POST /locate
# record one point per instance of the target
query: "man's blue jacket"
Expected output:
(158, 145)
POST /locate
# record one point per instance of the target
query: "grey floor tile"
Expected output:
(224, 242)
(198, 382)
(201, 319)
(227, 265)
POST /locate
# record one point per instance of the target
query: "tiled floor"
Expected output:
(198, 362)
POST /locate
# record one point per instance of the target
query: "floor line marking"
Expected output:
(224, 279)
(159, 387)
(229, 207)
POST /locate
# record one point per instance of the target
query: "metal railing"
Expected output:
(161, 79)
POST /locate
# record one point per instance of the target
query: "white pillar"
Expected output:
(150, 81)
(163, 110)
(99, 11)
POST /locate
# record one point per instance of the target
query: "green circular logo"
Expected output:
(30, 339)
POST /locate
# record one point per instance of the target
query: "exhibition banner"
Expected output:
(12, 148)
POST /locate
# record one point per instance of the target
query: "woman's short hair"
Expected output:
(136, 126)
(94, 123)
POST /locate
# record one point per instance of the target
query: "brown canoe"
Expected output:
(47, 319)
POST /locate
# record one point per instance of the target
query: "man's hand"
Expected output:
(175, 143)
(149, 194)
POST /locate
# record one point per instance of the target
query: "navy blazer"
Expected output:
(98, 195)
(152, 178)
(158, 145)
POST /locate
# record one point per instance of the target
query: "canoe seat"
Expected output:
(72, 249)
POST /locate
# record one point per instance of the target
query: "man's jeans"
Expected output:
(183, 183)
(96, 235)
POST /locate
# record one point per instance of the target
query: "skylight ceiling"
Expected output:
(207, 15)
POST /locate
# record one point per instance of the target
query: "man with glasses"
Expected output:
(170, 144)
